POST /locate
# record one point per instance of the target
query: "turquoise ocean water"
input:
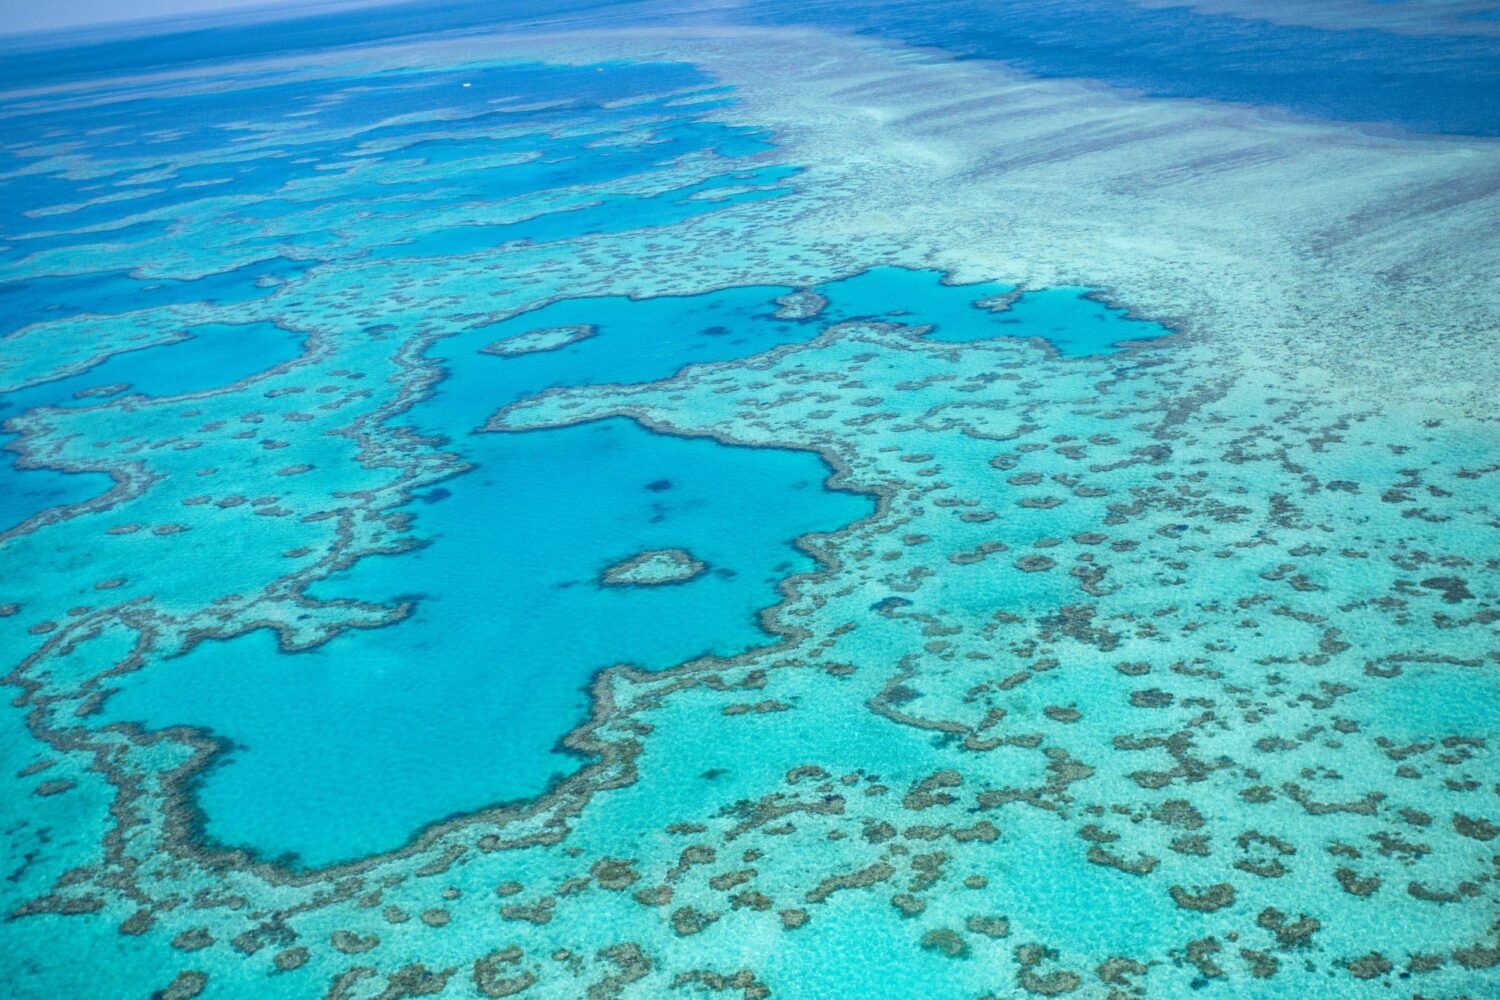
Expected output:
(1025, 652)
(529, 623)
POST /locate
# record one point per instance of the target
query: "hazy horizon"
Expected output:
(65, 15)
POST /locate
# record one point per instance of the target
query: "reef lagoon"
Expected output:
(637, 500)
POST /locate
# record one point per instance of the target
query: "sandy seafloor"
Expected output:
(1058, 511)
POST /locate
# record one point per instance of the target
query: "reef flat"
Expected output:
(1091, 497)
(657, 568)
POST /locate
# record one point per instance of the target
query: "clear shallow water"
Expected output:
(353, 717)
(24, 493)
(1076, 325)
(212, 355)
(501, 648)
(644, 340)
(1068, 319)
(1156, 673)
(367, 702)
(206, 357)
(511, 624)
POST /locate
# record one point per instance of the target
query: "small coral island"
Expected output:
(553, 338)
(655, 568)
(804, 303)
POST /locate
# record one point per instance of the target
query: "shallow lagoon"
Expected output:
(462, 705)
(494, 663)
(1075, 324)
(212, 355)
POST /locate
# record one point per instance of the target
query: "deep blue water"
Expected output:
(360, 109)
(1428, 84)
(610, 214)
(1424, 84)
(54, 297)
